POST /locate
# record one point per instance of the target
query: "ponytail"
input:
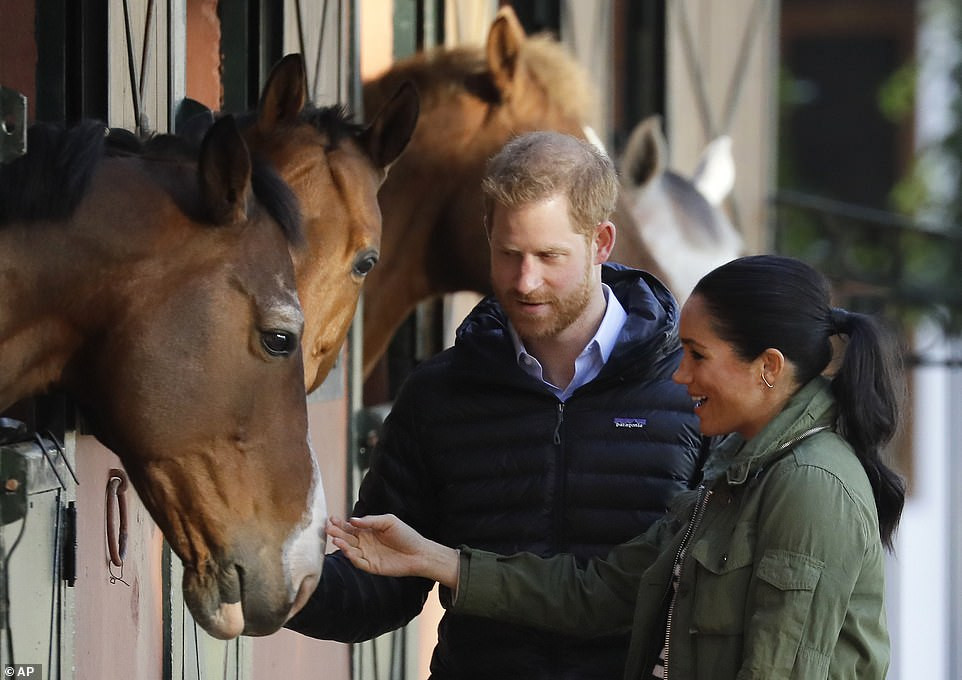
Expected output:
(865, 388)
(762, 301)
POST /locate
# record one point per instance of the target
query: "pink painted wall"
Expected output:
(119, 630)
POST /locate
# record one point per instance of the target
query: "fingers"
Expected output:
(375, 522)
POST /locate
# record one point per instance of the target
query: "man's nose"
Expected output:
(529, 276)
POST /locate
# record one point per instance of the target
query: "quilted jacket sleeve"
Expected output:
(350, 605)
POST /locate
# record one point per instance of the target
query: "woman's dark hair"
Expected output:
(764, 301)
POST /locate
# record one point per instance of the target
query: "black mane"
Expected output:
(51, 179)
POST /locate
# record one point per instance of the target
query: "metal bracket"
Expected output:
(13, 124)
(370, 423)
(25, 469)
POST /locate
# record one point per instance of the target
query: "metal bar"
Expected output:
(131, 68)
(694, 71)
(146, 54)
(741, 63)
(882, 218)
(320, 51)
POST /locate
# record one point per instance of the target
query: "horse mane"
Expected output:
(49, 182)
(439, 71)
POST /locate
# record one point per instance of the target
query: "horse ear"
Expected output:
(715, 173)
(504, 48)
(644, 157)
(192, 121)
(285, 93)
(224, 173)
(390, 131)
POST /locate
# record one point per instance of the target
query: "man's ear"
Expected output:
(604, 241)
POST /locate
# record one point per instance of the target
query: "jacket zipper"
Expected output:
(560, 480)
(557, 427)
(678, 563)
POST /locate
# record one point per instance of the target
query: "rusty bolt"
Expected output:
(12, 484)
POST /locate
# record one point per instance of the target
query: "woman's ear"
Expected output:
(773, 365)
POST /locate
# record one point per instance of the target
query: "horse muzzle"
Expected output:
(226, 603)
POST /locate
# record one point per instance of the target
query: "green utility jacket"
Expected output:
(782, 575)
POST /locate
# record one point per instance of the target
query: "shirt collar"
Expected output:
(591, 359)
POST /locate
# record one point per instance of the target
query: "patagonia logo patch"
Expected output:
(636, 423)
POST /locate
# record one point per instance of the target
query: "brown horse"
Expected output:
(159, 294)
(335, 169)
(472, 101)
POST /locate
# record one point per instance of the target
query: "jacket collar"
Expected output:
(811, 409)
(650, 331)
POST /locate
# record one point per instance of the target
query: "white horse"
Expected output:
(678, 220)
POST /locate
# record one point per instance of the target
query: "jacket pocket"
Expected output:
(723, 572)
(723, 576)
(781, 604)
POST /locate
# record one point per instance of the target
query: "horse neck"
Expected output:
(43, 293)
(63, 282)
(423, 228)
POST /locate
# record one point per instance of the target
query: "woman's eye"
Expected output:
(364, 263)
(278, 343)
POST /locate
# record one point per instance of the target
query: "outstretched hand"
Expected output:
(383, 544)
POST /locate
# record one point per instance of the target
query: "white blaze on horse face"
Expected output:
(304, 550)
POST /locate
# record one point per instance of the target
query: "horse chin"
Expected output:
(227, 622)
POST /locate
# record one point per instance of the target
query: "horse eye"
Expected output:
(278, 343)
(364, 263)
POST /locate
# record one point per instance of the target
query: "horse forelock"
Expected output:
(51, 179)
(334, 121)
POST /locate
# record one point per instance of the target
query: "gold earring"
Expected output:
(764, 380)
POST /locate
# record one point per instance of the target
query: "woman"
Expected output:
(773, 568)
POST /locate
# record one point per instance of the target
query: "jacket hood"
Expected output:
(651, 329)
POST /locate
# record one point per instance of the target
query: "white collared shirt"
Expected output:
(592, 358)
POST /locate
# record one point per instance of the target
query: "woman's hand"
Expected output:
(383, 544)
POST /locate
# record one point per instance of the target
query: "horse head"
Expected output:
(335, 168)
(669, 219)
(473, 100)
(164, 303)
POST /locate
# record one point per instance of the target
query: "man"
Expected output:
(551, 426)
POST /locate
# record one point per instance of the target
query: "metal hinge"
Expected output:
(13, 124)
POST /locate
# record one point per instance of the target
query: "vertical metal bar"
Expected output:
(176, 58)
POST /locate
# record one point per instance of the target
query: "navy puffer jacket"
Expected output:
(476, 452)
